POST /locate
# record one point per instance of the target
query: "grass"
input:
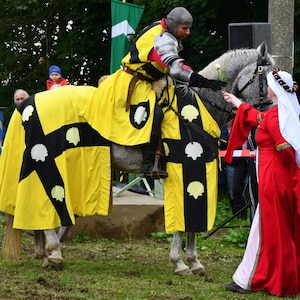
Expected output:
(128, 269)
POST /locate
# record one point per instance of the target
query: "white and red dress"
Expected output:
(272, 258)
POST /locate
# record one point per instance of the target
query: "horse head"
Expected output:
(251, 84)
(245, 72)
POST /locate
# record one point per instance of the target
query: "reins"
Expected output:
(261, 76)
(212, 142)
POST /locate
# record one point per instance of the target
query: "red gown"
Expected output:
(274, 241)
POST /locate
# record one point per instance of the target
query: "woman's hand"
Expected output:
(230, 98)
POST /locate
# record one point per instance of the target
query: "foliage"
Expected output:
(209, 34)
(37, 34)
(76, 36)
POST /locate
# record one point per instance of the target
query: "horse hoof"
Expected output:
(38, 255)
(198, 271)
(45, 263)
(56, 264)
(184, 272)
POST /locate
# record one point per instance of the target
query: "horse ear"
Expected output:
(263, 49)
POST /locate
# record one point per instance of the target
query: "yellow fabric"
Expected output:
(173, 199)
(212, 183)
(64, 105)
(128, 127)
(85, 170)
(174, 185)
(10, 162)
(137, 57)
(109, 102)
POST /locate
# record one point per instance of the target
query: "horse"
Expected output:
(245, 73)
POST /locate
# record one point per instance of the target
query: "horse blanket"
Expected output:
(191, 190)
(54, 165)
(56, 160)
(122, 122)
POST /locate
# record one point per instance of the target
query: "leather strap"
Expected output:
(136, 77)
(212, 142)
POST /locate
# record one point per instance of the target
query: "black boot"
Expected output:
(150, 168)
(150, 161)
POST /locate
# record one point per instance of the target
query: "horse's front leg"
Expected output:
(176, 257)
(191, 254)
(53, 247)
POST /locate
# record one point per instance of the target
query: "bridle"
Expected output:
(259, 70)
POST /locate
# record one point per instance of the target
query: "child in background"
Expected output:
(55, 79)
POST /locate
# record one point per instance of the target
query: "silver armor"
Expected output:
(167, 46)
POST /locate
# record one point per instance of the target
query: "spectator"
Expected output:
(19, 96)
(55, 79)
(238, 174)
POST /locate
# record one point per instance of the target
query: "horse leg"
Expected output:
(191, 254)
(40, 247)
(175, 255)
(62, 232)
(53, 247)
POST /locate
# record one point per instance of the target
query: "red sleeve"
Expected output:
(272, 125)
(64, 82)
(49, 84)
(154, 56)
(285, 151)
(246, 118)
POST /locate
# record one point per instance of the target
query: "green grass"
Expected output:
(128, 269)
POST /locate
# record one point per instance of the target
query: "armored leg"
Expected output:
(150, 151)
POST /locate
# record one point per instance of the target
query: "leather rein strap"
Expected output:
(261, 77)
(212, 142)
(136, 77)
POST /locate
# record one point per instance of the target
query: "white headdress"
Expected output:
(284, 88)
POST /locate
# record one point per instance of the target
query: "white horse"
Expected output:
(245, 72)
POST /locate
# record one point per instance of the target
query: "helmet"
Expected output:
(176, 17)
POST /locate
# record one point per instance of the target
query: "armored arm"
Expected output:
(167, 47)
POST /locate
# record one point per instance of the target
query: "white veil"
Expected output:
(288, 110)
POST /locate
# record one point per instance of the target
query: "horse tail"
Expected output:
(12, 240)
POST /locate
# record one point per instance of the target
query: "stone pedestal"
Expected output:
(134, 216)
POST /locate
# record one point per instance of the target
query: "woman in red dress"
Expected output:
(271, 260)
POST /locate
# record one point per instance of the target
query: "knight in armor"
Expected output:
(127, 96)
(153, 54)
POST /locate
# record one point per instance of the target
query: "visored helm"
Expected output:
(176, 17)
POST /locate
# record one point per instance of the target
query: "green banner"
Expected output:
(125, 19)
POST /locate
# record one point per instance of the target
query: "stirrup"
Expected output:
(156, 174)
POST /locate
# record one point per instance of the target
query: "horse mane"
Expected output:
(237, 55)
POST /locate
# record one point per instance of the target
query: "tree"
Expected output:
(35, 34)
(209, 36)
